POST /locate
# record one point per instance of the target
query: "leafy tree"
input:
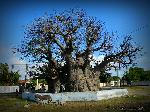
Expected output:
(134, 74)
(105, 77)
(115, 78)
(146, 76)
(67, 41)
(8, 78)
(137, 74)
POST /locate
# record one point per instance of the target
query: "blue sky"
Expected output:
(121, 16)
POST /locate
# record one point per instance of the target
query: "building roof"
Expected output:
(22, 81)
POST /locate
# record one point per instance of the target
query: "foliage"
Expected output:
(145, 76)
(105, 77)
(8, 78)
(137, 74)
(115, 78)
(39, 81)
(68, 41)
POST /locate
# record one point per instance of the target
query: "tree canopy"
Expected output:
(105, 77)
(8, 78)
(137, 74)
(68, 41)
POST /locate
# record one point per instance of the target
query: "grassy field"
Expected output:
(138, 100)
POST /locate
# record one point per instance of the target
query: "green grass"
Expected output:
(131, 103)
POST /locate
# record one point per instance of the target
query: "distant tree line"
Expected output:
(7, 77)
(137, 74)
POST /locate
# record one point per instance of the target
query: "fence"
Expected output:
(8, 89)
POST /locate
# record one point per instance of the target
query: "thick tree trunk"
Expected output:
(51, 85)
(79, 79)
(70, 81)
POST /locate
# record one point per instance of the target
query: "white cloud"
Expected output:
(15, 64)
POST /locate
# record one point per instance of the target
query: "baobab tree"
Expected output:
(66, 42)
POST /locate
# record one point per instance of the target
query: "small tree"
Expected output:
(115, 78)
(146, 76)
(8, 78)
(137, 74)
(105, 77)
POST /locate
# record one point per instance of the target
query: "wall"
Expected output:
(102, 85)
(141, 83)
(106, 94)
(8, 89)
(79, 96)
(115, 83)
